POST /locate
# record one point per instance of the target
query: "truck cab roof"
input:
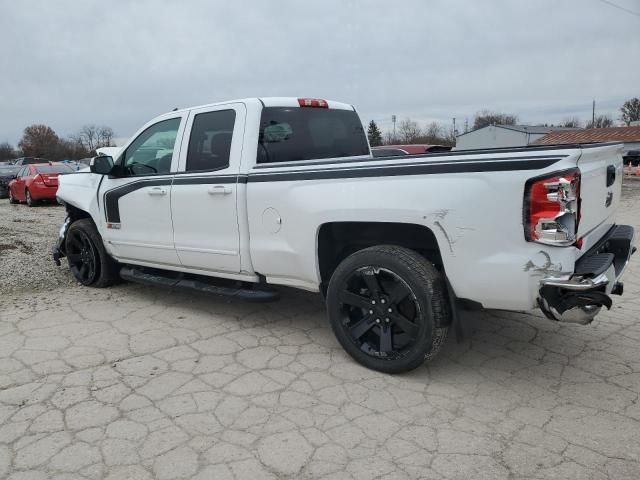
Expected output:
(272, 102)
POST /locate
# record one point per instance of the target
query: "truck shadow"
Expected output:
(501, 346)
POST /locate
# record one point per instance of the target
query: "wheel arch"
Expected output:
(338, 240)
(76, 213)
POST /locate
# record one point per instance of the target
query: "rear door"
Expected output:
(601, 171)
(205, 189)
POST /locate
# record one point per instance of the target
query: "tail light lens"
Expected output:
(552, 208)
(38, 180)
(313, 103)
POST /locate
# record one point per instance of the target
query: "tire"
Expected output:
(88, 261)
(12, 199)
(385, 304)
(30, 201)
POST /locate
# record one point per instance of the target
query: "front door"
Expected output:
(205, 190)
(137, 204)
(19, 184)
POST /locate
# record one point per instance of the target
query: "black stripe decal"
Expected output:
(111, 197)
(210, 180)
(397, 170)
(426, 157)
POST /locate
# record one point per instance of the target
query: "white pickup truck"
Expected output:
(233, 197)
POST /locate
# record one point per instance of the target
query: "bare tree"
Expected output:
(486, 117)
(571, 122)
(601, 121)
(88, 136)
(630, 111)
(432, 134)
(409, 131)
(7, 152)
(105, 137)
(449, 137)
(388, 138)
(92, 137)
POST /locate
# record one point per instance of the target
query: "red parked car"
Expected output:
(36, 182)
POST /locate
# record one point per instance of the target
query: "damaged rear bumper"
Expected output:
(578, 297)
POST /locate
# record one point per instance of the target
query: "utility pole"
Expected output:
(393, 119)
(593, 114)
(454, 127)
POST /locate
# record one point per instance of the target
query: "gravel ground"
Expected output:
(26, 238)
(133, 382)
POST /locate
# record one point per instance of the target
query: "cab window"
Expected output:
(210, 140)
(152, 151)
(292, 134)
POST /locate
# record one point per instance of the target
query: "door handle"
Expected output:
(157, 191)
(219, 190)
(611, 175)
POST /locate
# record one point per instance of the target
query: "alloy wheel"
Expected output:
(82, 256)
(380, 312)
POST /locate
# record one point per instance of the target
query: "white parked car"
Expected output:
(233, 197)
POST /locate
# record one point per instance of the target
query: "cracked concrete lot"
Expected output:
(137, 383)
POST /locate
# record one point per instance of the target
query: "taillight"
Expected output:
(38, 180)
(552, 208)
(313, 102)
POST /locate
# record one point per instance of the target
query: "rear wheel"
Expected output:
(89, 262)
(30, 200)
(388, 308)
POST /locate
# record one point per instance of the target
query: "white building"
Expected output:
(496, 136)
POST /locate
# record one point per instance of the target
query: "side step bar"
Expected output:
(207, 285)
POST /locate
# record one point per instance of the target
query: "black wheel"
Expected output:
(88, 260)
(12, 199)
(388, 308)
(30, 201)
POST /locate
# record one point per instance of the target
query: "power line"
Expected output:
(637, 14)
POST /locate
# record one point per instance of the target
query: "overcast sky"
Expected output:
(66, 63)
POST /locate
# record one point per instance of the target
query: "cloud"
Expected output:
(68, 63)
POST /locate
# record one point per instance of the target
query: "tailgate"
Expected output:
(601, 172)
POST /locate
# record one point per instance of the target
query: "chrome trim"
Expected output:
(631, 252)
(579, 283)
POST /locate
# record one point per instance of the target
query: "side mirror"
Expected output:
(101, 165)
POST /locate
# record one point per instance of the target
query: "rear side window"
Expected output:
(53, 169)
(289, 134)
(210, 141)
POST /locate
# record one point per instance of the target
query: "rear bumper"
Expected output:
(578, 297)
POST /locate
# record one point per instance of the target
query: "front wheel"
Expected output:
(88, 260)
(388, 308)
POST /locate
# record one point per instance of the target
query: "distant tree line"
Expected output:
(409, 131)
(42, 141)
